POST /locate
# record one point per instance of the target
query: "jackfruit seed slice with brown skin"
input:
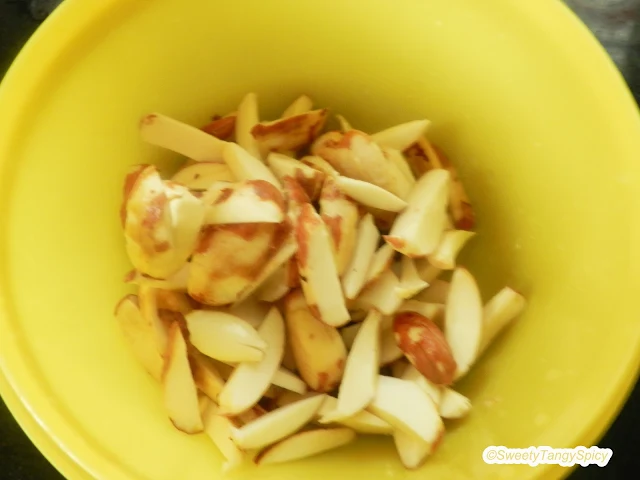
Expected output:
(340, 214)
(250, 201)
(318, 349)
(161, 222)
(319, 278)
(218, 275)
(355, 155)
(289, 134)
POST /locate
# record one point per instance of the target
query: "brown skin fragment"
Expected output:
(307, 220)
(323, 380)
(437, 442)
(173, 330)
(362, 210)
(332, 387)
(330, 139)
(434, 446)
(222, 127)
(334, 224)
(425, 346)
(330, 191)
(295, 193)
(225, 193)
(459, 205)
(262, 189)
(467, 222)
(268, 192)
(197, 372)
(312, 133)
(199, 299)
(130, 276)
(206, 235)
(169, 317)
(129, 182)
(418, 160)
(154, 211)
(284, 232)
(311, 185)
(148, 119)
(196, 305)
(337, 139)
(442, 158)
(293, 278)
(284, 127)
(161, 247)
(291, 133)
(340, 215)
(424, 156)
(246, 231)
(395, 242)
(348, 137)
(173, 301)
(332, 146)
(131, 297)
(259, 411)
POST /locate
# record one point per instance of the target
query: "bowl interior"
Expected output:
(528, 108)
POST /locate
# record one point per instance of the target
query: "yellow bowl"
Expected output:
(540, 124)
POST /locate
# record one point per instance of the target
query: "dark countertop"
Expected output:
(616, 23)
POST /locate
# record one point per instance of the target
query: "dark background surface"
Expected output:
(616, 23)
